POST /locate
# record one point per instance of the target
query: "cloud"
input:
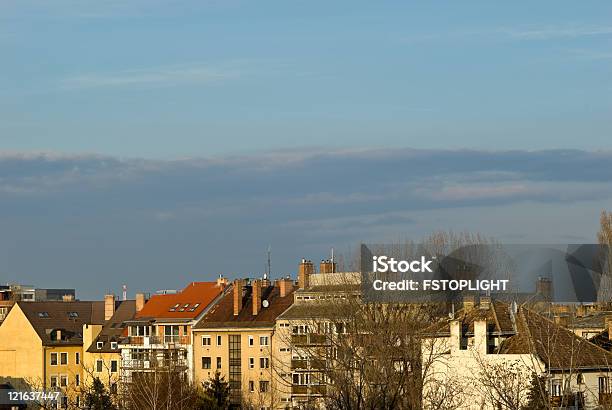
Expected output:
(557, 32)
(76, 218)
(158, 76)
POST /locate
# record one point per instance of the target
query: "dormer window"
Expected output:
(99, 345)
(114, 345)
(43, 315)
(73, 315)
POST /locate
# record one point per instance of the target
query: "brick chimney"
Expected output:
(109, 306)
(468, 302)
(485, 302)
(140, 301)
(285, 285)
(305, 269)
(221, 281)
(256, 297)
(68, 298)
(562, 319)
(608, 324)
(237, 294)
(327, 266)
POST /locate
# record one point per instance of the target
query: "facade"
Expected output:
(237, 339)
(158, 337)
(494, 346)
(308, 326)
(41, 345)
(101, 355)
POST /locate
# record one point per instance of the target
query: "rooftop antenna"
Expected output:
(333, 260)
(124, 292)
(268, 273)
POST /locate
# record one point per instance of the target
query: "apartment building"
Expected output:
(41, 345)
(237, 339)
(11, 293)
(158, 337)
(306, 329)
(102, 355)
(487, 344)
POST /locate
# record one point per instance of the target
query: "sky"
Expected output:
(157, 142)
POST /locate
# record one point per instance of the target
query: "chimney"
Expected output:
(327, 266)
(305, 269)
(562, 320)
(468, 303)
(544, 288)
(221, 281)
(485, 302)
(455, 335)
(58, 334)
(140, 301)
(109, 306)
(238, 284)
(480, 336)
(68, 298)
(256, 296)
(608, 324)
(285, 285)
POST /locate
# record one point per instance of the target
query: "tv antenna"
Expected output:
(268, 271)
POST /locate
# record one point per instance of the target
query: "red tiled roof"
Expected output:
(189, 303)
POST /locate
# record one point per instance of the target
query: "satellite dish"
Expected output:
(265, 303)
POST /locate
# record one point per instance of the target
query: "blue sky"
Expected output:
(165, 79)
(161, 142)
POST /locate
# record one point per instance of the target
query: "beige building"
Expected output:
(41, 346)
(487, 353)
(237, 339)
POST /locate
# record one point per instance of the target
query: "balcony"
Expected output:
(311, 339)
(303, 364)
(299, 364)
(143, 340)
(178, 340)
(314, 390)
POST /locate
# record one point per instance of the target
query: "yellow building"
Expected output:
(41, 346)
(102, 355)
(236, 337)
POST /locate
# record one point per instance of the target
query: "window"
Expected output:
(113, 388)
(64, 402)
(251, 362)
(99, 345)
(218, 362)
(99, 364)
(205, 362)
(301, 379)
(171, 334)
(114, 366)
(114, 345)
(579, 378)
(284, 349)
(205, 340)
(251, 340)
(556, 387)
(251, 386)
(263, 340)
(218, 340)
(73, 315)
(264, 386)
(603, 384)
(185, 331)
(77, 358)
(63, 358)
(53, 381)
(77, 379)
(53, 359)
(64, 380)
(264, 362)
(78, 401)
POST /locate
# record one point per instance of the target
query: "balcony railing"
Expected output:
(143, 340)
(303, 364)
(317, 389)
(181, 340)
(311, 339)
